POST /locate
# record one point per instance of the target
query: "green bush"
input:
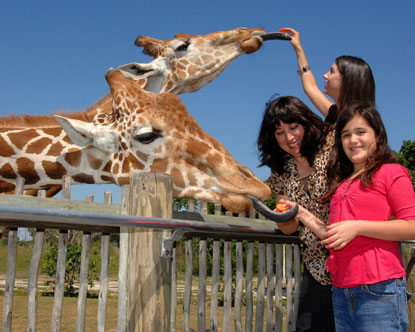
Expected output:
(73, 266)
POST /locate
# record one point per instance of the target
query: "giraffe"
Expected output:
(145, 132)
(187, 62)
(183, 64)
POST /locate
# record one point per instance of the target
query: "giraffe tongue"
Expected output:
(271, 215)
(275, 35)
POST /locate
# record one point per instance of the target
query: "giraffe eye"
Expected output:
(183, 47)
(147, 138)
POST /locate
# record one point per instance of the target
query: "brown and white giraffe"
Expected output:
(144, 132)
(187, 62)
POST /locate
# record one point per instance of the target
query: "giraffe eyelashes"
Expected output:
(183, 47)
(147, 138)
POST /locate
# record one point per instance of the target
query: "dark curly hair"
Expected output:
(287, 109)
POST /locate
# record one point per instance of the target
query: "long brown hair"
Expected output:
(340, 167)
(358, 83)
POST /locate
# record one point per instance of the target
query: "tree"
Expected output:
(406, 157)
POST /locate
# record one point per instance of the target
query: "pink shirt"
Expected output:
(367, 260)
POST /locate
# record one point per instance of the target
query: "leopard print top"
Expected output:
(289, 184)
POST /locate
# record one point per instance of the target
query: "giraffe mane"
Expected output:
(36, 121)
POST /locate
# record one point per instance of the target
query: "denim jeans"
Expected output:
(379, 307)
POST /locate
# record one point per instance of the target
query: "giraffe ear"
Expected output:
(78, 131)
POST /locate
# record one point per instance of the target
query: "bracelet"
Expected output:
(303, 69)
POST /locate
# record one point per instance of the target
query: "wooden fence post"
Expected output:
(406, 256)
(148, 275)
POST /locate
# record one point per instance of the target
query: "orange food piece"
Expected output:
(284, 30)
(281, 207)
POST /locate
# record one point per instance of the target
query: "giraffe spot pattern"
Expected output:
(54, 170)
(5, 149)
(26, 169)
(55, 150)
(74, 158)
(21, 137)
(38, 146)
(83, 178)
(8, 172)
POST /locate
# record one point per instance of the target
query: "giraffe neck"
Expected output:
(43, 155)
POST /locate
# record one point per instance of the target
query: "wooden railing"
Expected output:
(147, 278)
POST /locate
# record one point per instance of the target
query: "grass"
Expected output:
(68, 322)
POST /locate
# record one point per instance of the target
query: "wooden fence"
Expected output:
(147, 278)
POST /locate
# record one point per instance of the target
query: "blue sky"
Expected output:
(55, 54)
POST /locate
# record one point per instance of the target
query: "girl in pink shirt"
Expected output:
(372, 206)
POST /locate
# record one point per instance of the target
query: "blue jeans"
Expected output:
(379, 307)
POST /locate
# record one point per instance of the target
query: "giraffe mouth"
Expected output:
(135, 70)
(272, 215)
(275, 36)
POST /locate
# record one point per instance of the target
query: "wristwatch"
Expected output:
(303, 70)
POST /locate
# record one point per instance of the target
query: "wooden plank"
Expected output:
(238, 288)
(83, 282)
(149, 274)
(297, 282)
(213, 325)
(259, 318)
(227, 289)
(103, 282)
(173, 299)
(123, 266)
(201, 294)
(187, 296)
(66, 187)
(33, 278)
(104, 275)
(83, 277)
(279, 315)
(59, 282)
(408, 250)
(53, 203)
(289, 287)
(10, 280)
(270, 287)
(249, 315)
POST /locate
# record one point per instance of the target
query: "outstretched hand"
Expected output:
(295, 37)
(340, 234)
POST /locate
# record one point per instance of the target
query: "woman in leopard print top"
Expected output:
(292, 143)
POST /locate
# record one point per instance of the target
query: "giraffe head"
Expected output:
(188, 62)
(147, 132)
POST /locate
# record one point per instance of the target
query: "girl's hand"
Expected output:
(340, 234)
(295, 37)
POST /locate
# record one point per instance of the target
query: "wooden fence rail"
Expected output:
(147, 279)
